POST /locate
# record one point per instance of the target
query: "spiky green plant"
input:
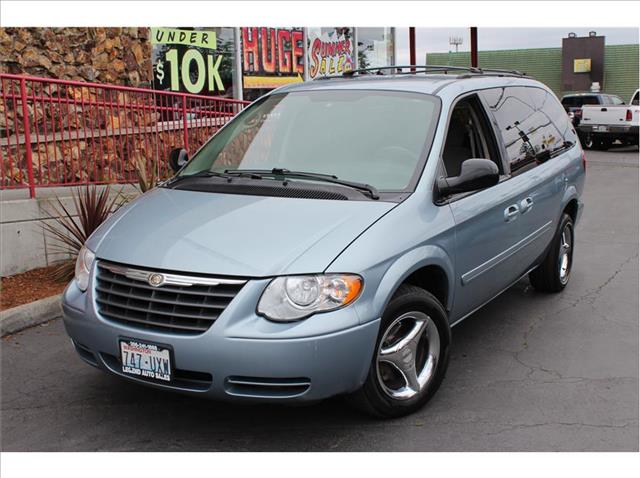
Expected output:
(147, 176)
(148, 173)
(70, 229)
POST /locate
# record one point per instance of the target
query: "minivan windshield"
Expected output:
(380, 138)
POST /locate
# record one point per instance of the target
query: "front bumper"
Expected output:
(241, 356)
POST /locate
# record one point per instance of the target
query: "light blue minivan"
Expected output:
(325, 241)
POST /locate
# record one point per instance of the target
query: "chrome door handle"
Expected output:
(526, 204)
(511, 213)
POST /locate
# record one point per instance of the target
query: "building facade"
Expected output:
(545, 64)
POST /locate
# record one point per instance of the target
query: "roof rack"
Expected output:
(432, 69)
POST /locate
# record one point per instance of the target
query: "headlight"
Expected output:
(296, 297)
(83, 267)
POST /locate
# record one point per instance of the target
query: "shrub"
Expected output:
(148, 173)
(70, 229)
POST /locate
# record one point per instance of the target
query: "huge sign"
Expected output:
(330, 51)
(198, 61)
(271, 57)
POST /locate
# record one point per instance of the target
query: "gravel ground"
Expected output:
(528, 372)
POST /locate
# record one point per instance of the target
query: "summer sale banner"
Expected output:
(330, 51)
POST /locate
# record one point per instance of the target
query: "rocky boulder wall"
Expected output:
(119, 56)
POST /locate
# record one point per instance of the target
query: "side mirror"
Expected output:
(178, 158)
(475, 173)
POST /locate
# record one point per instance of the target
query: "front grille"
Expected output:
(124, 295)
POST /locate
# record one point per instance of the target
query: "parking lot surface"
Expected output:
(528, 372)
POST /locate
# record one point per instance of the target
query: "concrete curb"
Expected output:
(18, 318)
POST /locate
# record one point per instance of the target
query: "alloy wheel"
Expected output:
(565, 253)
(408, 355)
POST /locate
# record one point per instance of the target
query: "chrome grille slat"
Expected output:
(163, 301)
(148, 322)
(179, 290)
(122, 295)
(171, 313)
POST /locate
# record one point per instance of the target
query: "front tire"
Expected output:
(554, 272)
(411, 355)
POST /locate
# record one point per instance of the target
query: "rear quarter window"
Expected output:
(616, 100)
(578, 101)
(533, 125)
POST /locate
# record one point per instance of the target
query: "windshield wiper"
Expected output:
(206, 173)
(367, 189)
(200, 174)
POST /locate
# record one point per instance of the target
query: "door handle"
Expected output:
(526, 204)
(511, 213)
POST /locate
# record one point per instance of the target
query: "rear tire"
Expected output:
(410, 357)
(602, 144)
(554, 272)
(586, 141)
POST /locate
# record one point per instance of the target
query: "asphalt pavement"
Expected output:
(528, 372)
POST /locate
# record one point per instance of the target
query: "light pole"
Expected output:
(412, 47)
(473, 33)
(457, 41)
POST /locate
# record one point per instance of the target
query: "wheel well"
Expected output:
(572, 209)
(433, 279)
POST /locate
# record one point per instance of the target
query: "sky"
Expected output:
(436, 40)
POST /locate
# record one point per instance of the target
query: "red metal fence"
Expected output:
(64, 133)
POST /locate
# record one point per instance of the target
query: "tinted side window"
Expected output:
(591, 100)
(560, 127)
(533, 125)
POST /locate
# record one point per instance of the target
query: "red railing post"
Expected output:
(184, 122)
(75, 112)
(27, 137)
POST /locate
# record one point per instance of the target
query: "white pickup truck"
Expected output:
(602, 125)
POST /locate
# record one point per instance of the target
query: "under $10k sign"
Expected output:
(186, 60)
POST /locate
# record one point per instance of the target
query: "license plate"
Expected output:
(147, 360)
(602, 129)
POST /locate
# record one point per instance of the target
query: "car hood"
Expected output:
(228, 234)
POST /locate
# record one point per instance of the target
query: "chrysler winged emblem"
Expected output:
(155, 280)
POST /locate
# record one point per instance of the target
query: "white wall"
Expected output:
(24, 245)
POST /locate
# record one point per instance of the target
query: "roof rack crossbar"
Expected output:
(432, 69)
